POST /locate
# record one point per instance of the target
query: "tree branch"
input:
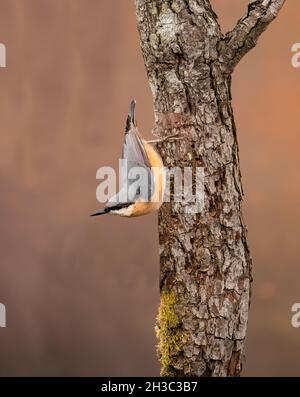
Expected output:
(247, 31)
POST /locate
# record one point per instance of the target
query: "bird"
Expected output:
(137, 152)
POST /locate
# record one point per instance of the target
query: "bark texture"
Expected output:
(205, 260)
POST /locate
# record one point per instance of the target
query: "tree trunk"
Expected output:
(205, 261)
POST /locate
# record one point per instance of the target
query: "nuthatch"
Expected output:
(138, 153)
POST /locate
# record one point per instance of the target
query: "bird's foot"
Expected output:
(174, 137)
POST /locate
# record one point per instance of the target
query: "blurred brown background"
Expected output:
(81, 293)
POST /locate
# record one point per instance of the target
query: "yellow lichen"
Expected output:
(167, 330)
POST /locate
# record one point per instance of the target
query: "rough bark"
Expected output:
(205, 260)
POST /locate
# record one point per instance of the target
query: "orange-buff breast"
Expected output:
(140, 207)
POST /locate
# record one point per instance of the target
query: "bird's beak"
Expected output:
(100, 212)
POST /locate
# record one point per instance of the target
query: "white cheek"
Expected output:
(124, 211)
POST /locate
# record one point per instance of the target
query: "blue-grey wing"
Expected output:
(133, 149)
(137, 183)
(136, 174)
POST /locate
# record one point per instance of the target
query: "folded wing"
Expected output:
(133, 149)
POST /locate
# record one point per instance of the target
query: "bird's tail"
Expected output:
(132, 111)
(131, 116)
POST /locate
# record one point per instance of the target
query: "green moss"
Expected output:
(168, 333)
